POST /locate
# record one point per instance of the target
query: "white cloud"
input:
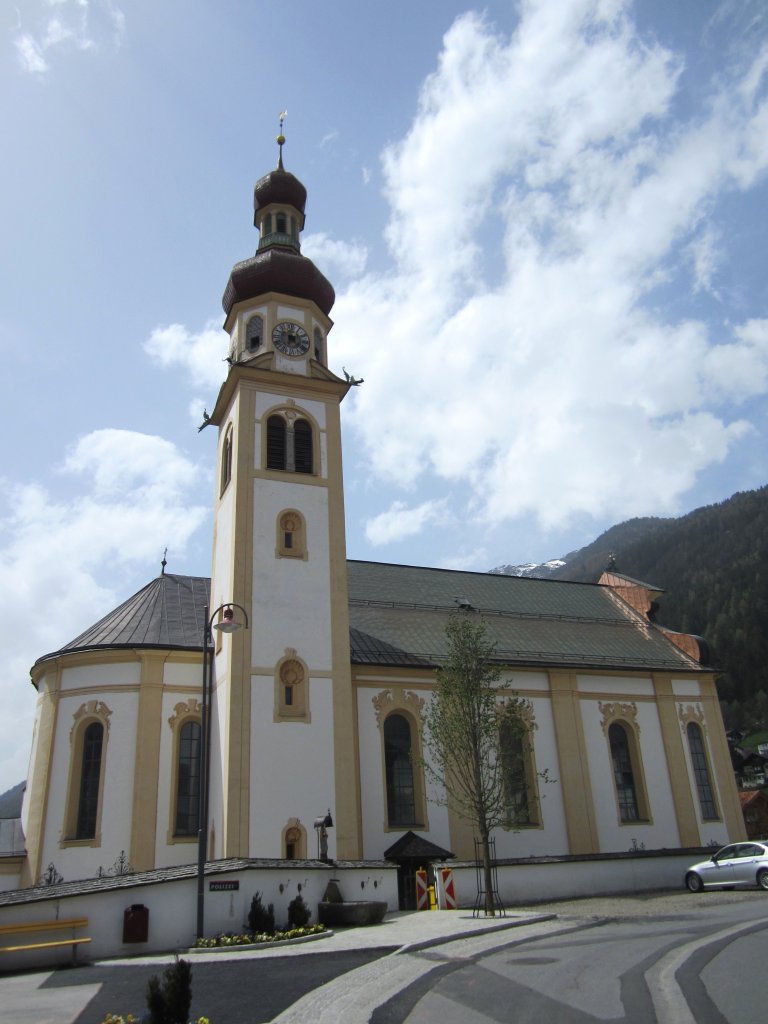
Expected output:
(79, 24)
(524, 346)
(399, 521)
(335, 257)
(30, 54)
(200, 353)
(62, 561)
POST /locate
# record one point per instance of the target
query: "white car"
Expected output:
(740, 864)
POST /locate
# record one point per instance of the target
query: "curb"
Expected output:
(415, 947)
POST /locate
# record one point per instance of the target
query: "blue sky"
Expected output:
(545, 222)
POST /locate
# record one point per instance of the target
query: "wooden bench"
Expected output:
(29, 928)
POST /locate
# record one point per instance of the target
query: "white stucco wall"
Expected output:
(661, 829)
(116, 685)
(292, 767)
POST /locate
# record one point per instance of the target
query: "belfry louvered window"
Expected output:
(302, 447)
(289, 447)
(277, 430)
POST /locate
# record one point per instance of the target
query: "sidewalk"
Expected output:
(42, 998)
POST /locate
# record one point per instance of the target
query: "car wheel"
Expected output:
(762, 879)
(695, 884)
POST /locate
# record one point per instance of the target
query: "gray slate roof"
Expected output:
(398, 615)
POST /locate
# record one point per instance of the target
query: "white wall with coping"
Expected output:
(173, 907)
(572, 877)
(173, 903)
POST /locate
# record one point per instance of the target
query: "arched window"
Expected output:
(701, 772)
(90, 777)
(254, 332)
(277, 431)
(290, 447)
(226, 460)
(294, 840)
(517, 776)
(280, 222)
(317, 336)
(623, 774)
(85, 789)
(401, 794)
(266, 225)
(302, 442)
(188, 779)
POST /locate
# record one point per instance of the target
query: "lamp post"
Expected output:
(228, 624)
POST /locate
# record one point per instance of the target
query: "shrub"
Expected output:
(261, 921)
(168, 1001)
(298, 913)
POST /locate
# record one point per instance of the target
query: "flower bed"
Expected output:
(246, 939)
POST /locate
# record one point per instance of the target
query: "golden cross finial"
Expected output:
(281, 138)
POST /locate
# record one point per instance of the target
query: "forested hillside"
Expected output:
(713, 565)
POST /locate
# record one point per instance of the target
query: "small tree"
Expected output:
(298, 913)
(169, 1001)
(462, 730)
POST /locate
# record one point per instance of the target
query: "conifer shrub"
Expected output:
(298, 913)
(169, 1000)
(261, 921)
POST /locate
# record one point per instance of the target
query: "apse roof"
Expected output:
(398, 613)
(169, 613)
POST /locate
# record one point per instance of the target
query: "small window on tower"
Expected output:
(318, 339)
(291, 695)
(291, 535)
(280, 218)
(254, 333)
(226, 460)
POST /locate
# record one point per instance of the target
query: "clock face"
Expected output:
(290, 338)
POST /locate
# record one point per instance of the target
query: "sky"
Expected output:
(545, 221)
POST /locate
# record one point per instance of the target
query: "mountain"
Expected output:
(10, 801)
(713, 566)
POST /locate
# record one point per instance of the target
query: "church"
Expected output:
(311, 709)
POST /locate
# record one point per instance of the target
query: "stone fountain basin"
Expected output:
(351, 914)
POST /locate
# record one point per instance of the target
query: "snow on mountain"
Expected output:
(540, 570)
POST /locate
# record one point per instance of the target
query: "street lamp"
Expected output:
(227, 624)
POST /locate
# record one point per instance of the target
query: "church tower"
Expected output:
(284, 733)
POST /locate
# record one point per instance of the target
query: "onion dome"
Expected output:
(279, 186)
(279, 199)
(278, 270)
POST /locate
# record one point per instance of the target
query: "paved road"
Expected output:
(667, 959)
